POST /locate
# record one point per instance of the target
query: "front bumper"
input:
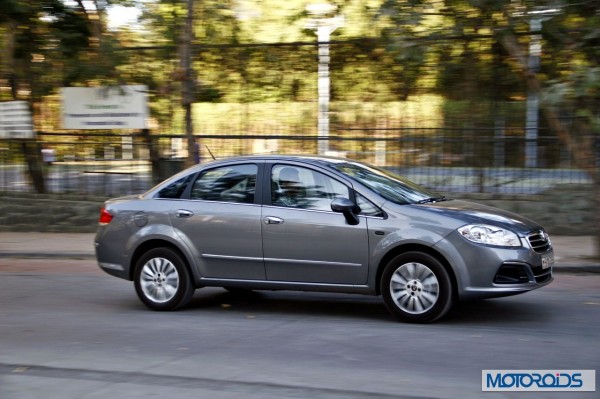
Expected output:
(484, 271)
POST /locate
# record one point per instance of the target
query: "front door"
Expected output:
(303, 240)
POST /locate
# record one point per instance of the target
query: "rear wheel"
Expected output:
(416, 288)
(162, 280)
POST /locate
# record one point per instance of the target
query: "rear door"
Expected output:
(222, 221)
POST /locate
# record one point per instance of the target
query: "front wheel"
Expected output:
(416, 288)
(162, 280)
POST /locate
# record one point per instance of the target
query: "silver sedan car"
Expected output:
(313, 223)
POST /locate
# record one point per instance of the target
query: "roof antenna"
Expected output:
(210, 152)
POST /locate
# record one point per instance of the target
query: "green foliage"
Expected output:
(387, 51)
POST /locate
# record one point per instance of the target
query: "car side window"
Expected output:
(299, 187)
(231, 183)
(175, 189)
(367, 208)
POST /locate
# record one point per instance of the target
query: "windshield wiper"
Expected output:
(433, 200)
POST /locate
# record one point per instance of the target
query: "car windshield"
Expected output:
(390, 186)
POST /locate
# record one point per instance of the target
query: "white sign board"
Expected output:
(15, 120)
(111, 107)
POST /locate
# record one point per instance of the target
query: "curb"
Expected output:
(577, 269)
(48, 255)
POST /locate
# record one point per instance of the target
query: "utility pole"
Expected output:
(536, 18)
(187, 90)
(324, 24)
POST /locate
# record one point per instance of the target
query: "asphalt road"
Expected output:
(74, 332)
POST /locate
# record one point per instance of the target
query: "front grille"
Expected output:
(539, 241)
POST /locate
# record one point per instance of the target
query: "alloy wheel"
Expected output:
(159, 280)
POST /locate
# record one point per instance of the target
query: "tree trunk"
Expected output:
(8, 57)
(187, 92)
(32, 152)
(597, 207)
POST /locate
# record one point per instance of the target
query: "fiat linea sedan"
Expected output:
(312, 223)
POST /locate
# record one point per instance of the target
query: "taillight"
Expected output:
(105, 217)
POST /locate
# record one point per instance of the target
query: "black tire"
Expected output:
(416, 288)
(162, 280)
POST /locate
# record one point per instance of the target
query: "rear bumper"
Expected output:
(114, 270)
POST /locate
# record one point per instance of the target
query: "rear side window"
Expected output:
(232, 183)
(175, 189)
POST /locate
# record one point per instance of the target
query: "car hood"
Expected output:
(465, 212)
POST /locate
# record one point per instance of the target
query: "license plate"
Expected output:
(547, 261)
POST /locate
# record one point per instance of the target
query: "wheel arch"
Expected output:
(415, 248)
(156, 243)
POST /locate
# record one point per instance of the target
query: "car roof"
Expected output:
(311, 159)
(279, 157)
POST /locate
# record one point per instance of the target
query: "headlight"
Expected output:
(490, 235)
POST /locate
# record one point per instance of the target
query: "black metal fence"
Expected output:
(449, 161)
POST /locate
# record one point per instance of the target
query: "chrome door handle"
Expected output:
(182, 213)
(273, 220)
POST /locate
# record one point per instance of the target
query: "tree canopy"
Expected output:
(249, 51)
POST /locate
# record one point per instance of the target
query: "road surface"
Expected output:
(67, 330)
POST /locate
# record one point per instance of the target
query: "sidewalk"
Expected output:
(47, 245)
(572, 254)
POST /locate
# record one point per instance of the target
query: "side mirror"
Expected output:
(346, 207)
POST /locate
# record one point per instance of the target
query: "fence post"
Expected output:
(479, 148)
(499, 142)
